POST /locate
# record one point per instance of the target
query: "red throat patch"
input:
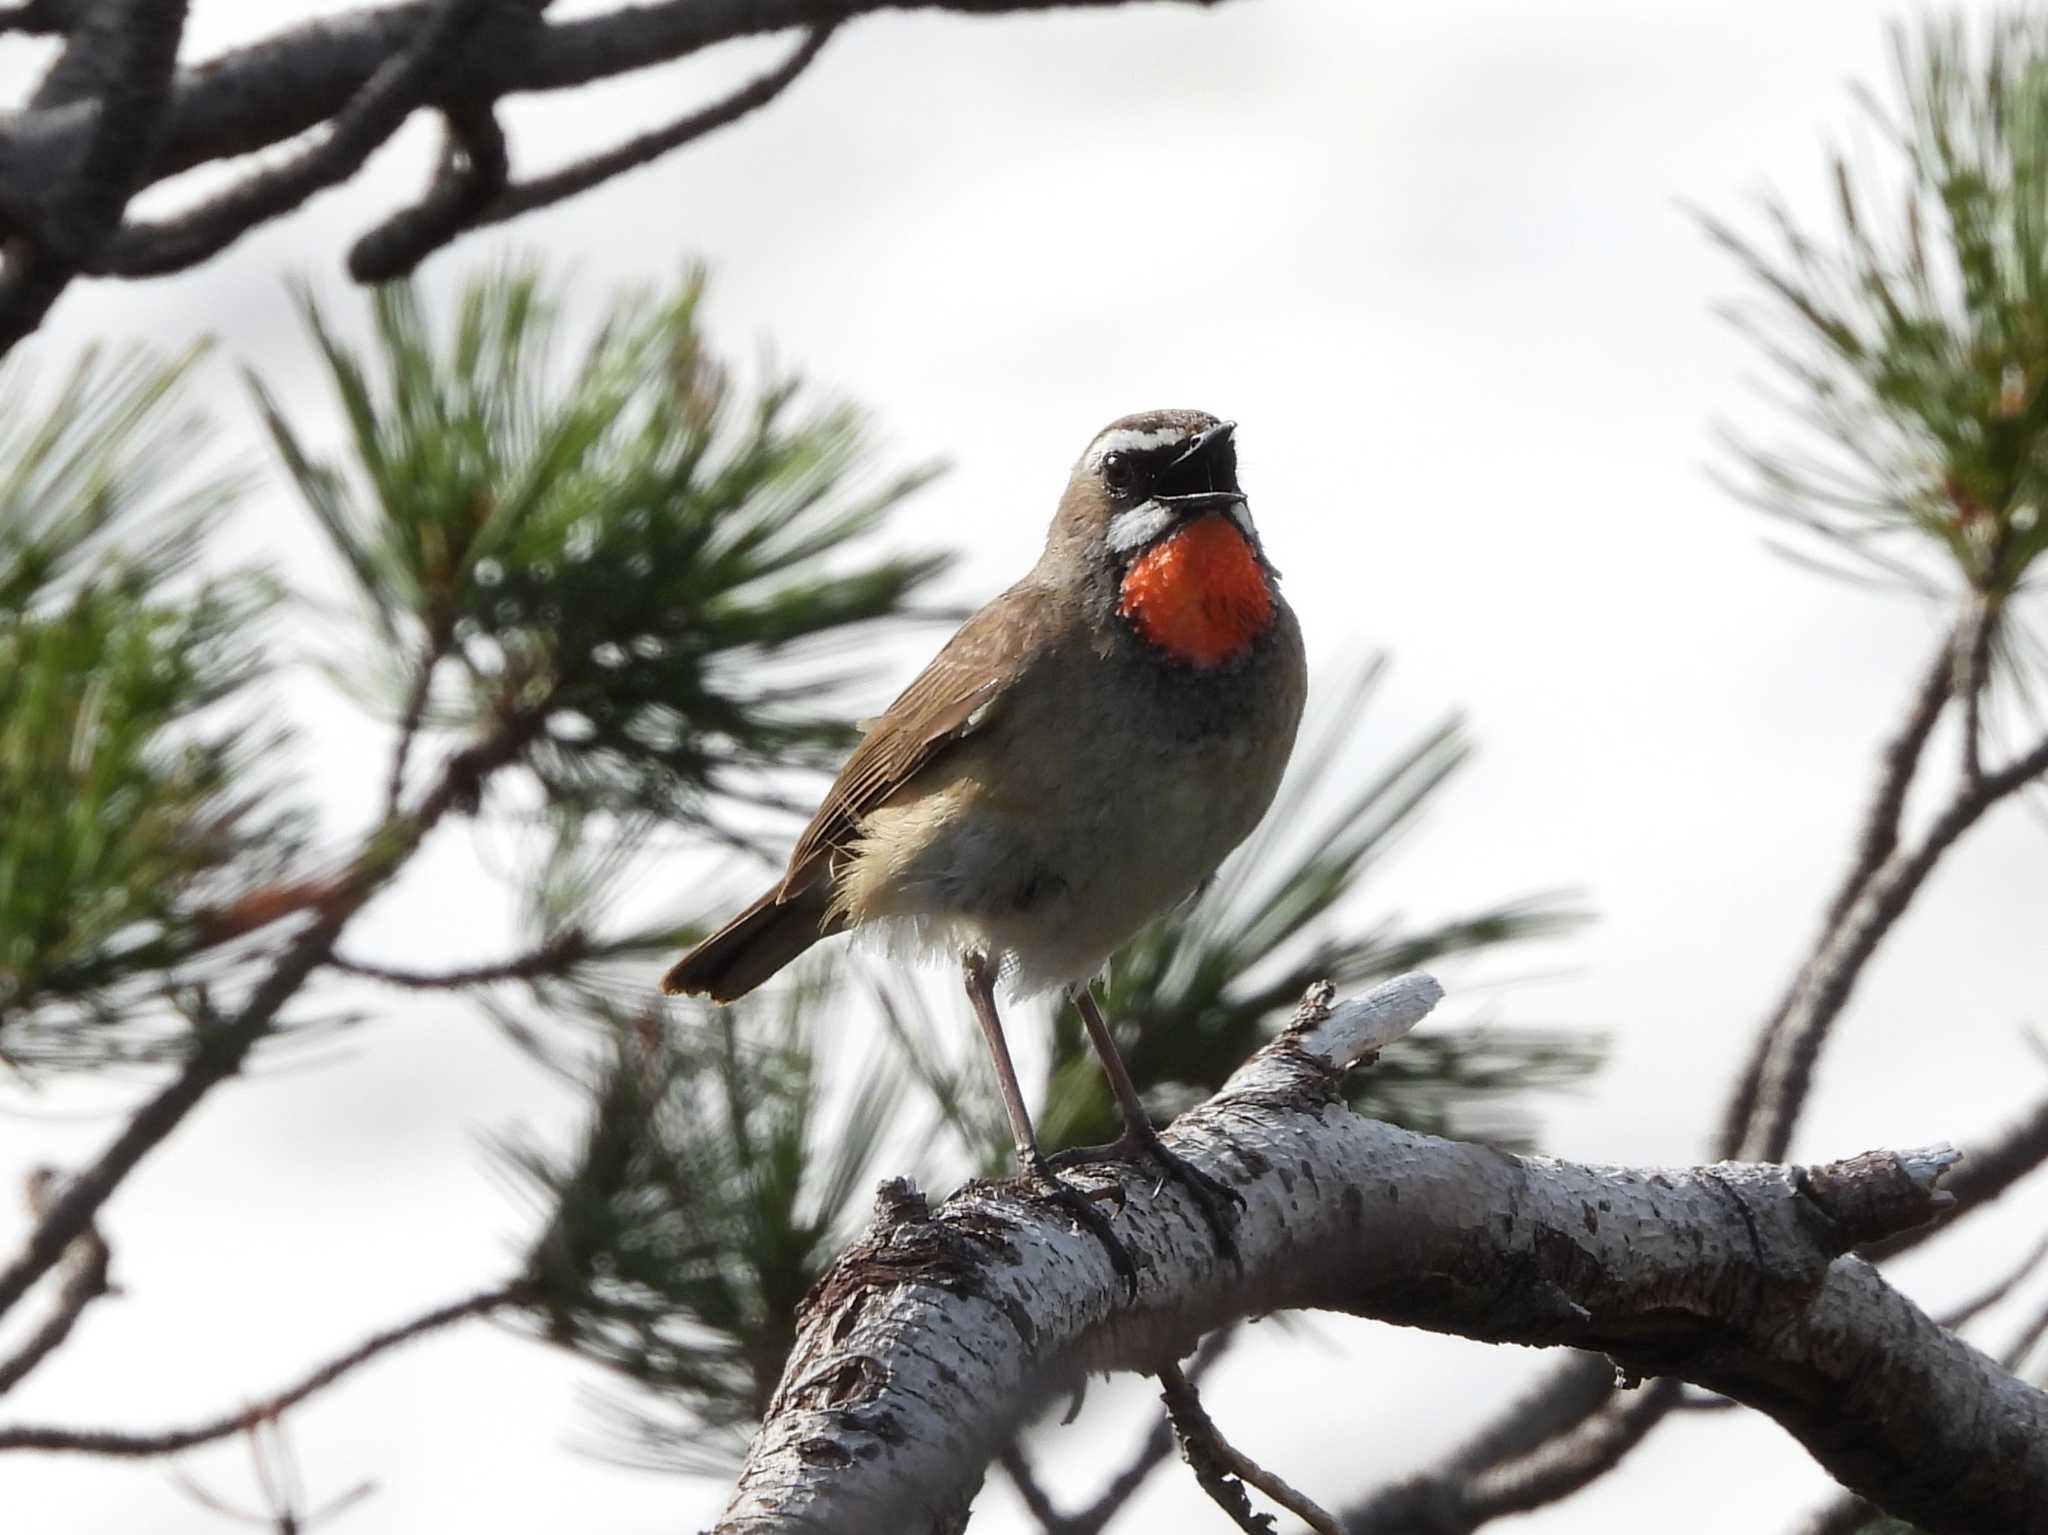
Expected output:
(1199, 595)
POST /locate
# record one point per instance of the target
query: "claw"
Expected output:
(1080, 1204)
(1217, 1201)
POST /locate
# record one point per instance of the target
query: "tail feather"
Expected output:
(754, 945)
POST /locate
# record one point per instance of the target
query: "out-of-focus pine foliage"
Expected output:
(1914, 336)
(719, 1171)
(648, 572)
(136, 809)
(1205, 985)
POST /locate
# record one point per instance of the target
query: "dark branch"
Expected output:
(551, 957)
(471, 176)
(1108, 1503)
(1225, 1471)
(1574, 1411)
(359, 75)
(1973, 664)
(390, 95)
(1465, 1496)
(1985, 1299)
(219, 1049)
(1877, 842)
(432, 650)
(137, 56)
(36, 16)
(169, 1441)
(638, 151)
(2023, 1343)
(1793, 1048)
(86, 1282)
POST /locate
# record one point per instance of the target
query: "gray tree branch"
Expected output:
(132, 51)
(121, 120)
(939, 1332)
(1503, 1470)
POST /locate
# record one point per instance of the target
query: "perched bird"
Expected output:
(1078, 758)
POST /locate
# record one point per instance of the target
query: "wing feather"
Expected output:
(951, 699)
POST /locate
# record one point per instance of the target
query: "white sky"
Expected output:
(1436, 261)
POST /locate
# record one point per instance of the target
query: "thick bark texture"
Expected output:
(940, 1332)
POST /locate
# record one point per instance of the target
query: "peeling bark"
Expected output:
(940, 1332)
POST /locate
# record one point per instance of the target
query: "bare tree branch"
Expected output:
(1564, 1406)
(557, 953)
(33, 16)
(1878, 840)
(1793, 1048)
(471, 176)
(136, 56)
(2023, 1343)
(88, 1262)
(1108, 1503)
(1225, 1471)
(169, 1441)
(219, 1050)
(1550, 1469)
(934, 1336)
(1973, 666)
(399, 86)
(360, 74)
(371, 260)
(1984, 1300)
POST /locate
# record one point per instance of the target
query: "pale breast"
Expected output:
(1087, 811)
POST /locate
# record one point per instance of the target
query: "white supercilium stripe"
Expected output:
(1140, 525)
(1131, 439)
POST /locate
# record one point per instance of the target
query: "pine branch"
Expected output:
(1788, 1056)
(1097, 1514)
(552, 957)
(219, 1049)
(1969, 1310)
(171, 1440)
(409, 237)
(400, 84)
(1225, 1471)
(119, 139)
(1879, 839)
(932, 1338)
(86, 1282)
(69, 166)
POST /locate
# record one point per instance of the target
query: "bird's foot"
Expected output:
(1218, 1201)
(1081, 1205)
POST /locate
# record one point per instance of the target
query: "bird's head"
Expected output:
(1154, 505)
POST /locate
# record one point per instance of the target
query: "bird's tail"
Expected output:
(755, 944)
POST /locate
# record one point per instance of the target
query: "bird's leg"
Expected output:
(1217, 1201)
(981, 992)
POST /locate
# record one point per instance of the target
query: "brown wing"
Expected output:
(951, 699)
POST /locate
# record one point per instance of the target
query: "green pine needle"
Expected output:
(648, 565)
(711, 1188)
(1913, 337)
(137, 813)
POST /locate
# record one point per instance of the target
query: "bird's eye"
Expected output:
(1119, 472)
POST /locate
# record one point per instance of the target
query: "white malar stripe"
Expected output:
(1140, 525)
(1132, 439)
